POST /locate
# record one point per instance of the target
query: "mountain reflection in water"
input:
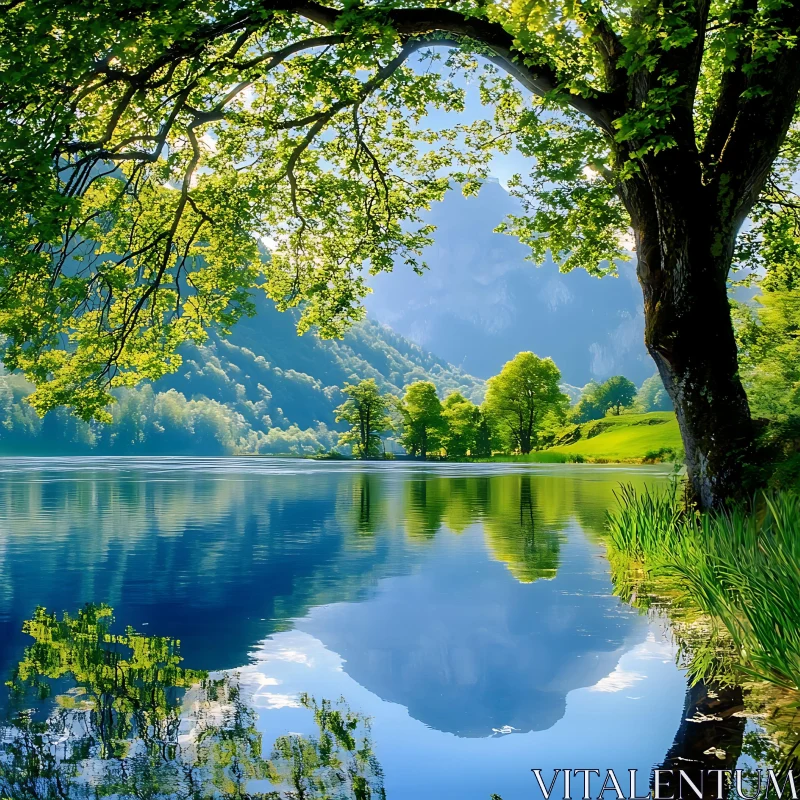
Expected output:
(451, 604)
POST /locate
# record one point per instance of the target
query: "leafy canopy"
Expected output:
(616, 393)
(160, 162)
(423, 423)
(461, 423)
(587, 408)
(652, 396)
(525, 398)
(366, 411)
(769, 348)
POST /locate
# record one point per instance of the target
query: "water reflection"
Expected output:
(710, 735)
(231, 555)
(118, 715)
(455, 605)
(519, 532)
(126, 720)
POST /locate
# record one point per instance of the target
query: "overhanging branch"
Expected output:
(445, 27)
(757, 103)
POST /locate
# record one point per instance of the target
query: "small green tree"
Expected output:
(423, 424)
(461, 418)
(652, 396)
(615, 394)
(366, 411)
(587, 408)
(521, 397)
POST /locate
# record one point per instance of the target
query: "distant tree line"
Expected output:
(149, 422)
(522, 402)
(523, 408)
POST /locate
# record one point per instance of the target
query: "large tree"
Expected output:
(149, 149)
(461, 418)
(523, 397)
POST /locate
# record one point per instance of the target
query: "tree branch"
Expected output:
(446, 27)
(732, 85)
(764, 113)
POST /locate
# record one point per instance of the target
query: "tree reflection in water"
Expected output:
(523, 519)
(709, 737)
(118, 716)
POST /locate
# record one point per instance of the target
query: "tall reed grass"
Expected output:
(740, 566)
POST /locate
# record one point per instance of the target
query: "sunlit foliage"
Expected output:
(524, 399)
(162, 162)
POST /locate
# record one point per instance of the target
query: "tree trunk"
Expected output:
(684, 257)
(525, 433)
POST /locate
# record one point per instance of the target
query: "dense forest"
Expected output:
(264, 389)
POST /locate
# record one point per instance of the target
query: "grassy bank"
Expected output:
(634, 438)
(730, 584)
(740, 568)
(629, 438)
(537, 457)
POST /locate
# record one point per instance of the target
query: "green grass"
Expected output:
(538, 457)
(628, 437)
(741, 567)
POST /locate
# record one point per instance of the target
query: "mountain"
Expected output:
(264, 389)
(274, 377)
(481, 302)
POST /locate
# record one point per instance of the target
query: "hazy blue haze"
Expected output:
(481, 302)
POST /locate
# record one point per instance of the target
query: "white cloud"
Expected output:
(618, 680)
(273, 701)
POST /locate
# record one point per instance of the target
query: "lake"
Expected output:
(419, 630)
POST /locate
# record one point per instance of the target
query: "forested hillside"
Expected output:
(262, 390)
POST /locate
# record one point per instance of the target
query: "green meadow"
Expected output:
(629, 437)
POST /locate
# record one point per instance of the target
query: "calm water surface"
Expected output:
(466, 611)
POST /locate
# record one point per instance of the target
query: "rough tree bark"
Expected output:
(689, 334)
(684, 256)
